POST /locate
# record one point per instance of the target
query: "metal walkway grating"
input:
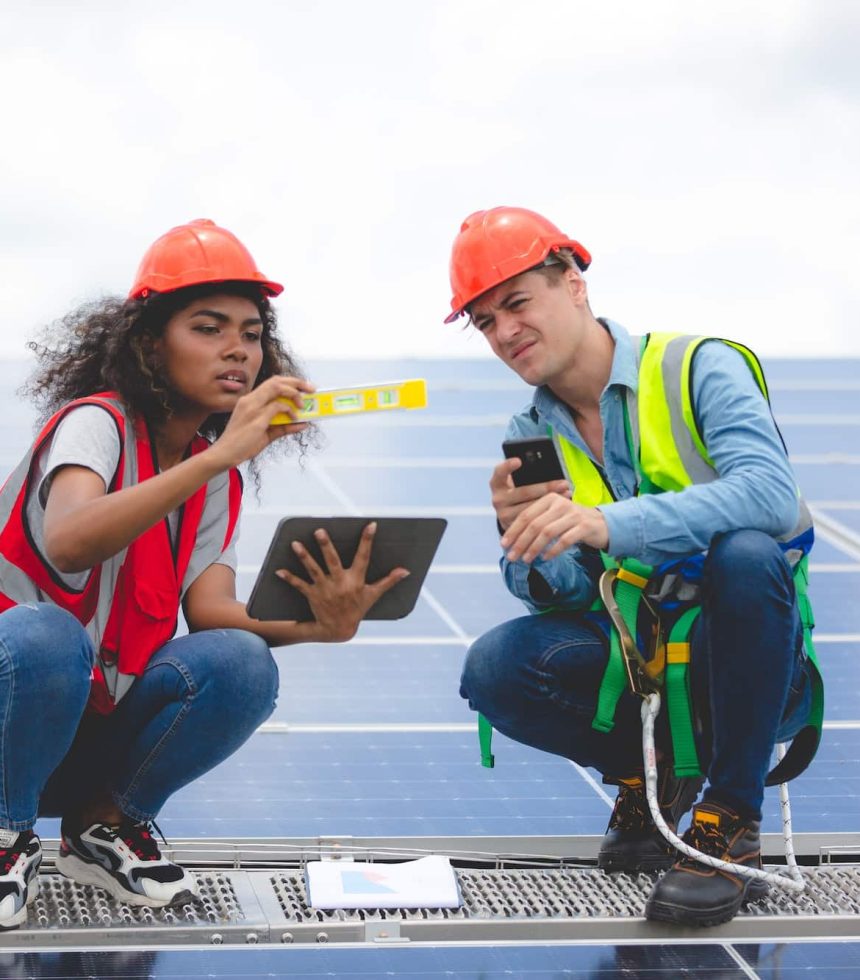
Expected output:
(537, 904)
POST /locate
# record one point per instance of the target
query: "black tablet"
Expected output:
(407, 542)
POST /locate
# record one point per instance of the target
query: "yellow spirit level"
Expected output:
(350, 401)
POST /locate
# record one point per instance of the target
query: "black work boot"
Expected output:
(632, 842)
(696, 895)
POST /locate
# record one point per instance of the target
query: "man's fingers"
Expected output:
(524, 544)
(502, 473)
(561, 533)
(524, 518)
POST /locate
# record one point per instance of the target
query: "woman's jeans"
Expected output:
(199, 698)
(536, 678)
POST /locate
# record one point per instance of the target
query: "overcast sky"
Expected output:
(706, 154)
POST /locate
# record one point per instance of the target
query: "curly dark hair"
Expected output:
(106, 345)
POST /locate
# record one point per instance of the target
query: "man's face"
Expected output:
(532, 324)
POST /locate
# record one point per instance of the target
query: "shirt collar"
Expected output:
(624, 371)
(625, 360)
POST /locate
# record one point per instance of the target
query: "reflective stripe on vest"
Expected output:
(672, 455)
(129, 603)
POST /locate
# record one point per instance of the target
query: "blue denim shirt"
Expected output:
(756, 487)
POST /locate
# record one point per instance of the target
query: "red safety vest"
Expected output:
(145, 601)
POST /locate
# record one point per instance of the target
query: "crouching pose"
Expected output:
(673, 556)
(127, 505)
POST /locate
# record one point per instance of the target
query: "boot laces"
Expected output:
(631, 811)
(707, 838)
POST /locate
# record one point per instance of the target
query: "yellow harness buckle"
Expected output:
(678, 653)
(632, 578)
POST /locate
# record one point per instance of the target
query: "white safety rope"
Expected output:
(795, 883)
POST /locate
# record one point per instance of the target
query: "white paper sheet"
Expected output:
(429, 882)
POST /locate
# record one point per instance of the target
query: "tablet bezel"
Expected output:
(408, 542)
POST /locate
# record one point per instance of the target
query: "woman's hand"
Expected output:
(249, 430)
(339, 597)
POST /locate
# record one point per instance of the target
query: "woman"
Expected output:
(126, 505)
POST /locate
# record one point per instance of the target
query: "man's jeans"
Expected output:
(536, 678)
(200, 697)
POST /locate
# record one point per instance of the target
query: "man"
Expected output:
(678, 473)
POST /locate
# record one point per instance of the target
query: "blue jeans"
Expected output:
(200, 697)
(536, 678)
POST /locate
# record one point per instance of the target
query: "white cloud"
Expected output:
(707, 155)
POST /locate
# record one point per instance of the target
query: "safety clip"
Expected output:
(638, 675)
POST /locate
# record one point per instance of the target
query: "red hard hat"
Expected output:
(498, 244)
(191, 254)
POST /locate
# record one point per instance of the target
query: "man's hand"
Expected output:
(510, 501)
(553, 518)
(339, 597)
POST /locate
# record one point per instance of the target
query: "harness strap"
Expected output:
(630, 579)
(678, 700)
(485, 737)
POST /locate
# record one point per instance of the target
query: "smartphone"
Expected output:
(540, 460)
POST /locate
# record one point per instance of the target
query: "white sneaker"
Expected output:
(20, 857)
(126, 862)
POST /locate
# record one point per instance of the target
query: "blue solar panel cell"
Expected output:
(792, 961)
(415, 684)
(828, 480)
(834, 599)
(829, 400)
(427, 962)
(431, 783)
(848, 516)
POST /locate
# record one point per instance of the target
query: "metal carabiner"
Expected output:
(634, 663)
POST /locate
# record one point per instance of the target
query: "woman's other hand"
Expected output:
(339, 597)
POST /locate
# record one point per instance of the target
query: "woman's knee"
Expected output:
(49, 641)
(257, 667)
(244, 674)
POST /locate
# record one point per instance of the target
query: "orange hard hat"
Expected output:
(498, 244)
(196, 253)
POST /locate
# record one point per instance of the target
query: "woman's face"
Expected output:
(211, 353)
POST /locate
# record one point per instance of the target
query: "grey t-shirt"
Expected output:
(88, 437)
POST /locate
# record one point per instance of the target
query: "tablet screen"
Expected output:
(408, 542)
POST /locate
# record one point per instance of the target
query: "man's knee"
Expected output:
(479, 673)
(490, 672)
(741, 564)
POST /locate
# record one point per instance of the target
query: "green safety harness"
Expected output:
(623, 585)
